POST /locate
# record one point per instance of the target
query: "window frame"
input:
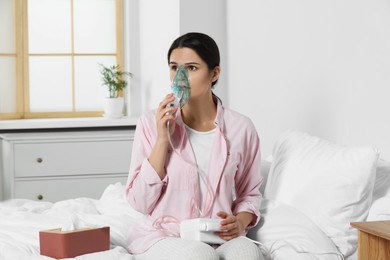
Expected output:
(22, 65)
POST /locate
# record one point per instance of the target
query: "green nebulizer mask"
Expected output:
(181, 87)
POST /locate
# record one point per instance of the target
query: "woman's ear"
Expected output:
(215, 74)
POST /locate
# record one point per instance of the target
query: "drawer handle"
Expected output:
(40, 197)
(39, 160)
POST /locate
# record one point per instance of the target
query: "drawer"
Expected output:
(72, 158)
(57, 189)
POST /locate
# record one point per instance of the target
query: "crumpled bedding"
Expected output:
(284, 232)
(21, 221)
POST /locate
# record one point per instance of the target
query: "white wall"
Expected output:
(317, 66)
(153, 26)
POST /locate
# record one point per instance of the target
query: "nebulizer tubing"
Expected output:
(181, 89)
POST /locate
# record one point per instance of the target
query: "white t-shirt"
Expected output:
(201, 143)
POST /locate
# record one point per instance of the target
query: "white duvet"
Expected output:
(285, 233)
(21, 221)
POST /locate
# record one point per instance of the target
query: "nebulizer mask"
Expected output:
(181, 87)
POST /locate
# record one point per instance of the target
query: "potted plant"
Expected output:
(114, 79)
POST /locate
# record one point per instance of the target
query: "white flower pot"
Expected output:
(113, 107)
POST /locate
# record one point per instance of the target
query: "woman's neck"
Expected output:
(199, 114)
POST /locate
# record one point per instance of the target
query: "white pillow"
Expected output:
(329, 183)
(380, 209)
(292, 237)
(382, 181)
(265, 167)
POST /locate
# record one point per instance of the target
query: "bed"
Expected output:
(312, 190)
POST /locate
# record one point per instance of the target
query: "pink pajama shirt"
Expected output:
(234, 160)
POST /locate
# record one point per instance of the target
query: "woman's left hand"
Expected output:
(231, 226)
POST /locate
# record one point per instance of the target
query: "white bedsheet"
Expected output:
(21, 221)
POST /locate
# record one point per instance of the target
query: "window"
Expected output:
(50, 54)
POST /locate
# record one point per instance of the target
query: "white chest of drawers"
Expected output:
(54, 166)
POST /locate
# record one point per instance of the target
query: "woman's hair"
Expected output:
(202, 44)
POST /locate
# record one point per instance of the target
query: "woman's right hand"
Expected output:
(164, 115)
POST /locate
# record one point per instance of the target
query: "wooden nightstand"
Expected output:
(374, 240)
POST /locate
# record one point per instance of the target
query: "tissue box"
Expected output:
(68, 244)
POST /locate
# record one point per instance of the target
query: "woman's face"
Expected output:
(199, 75)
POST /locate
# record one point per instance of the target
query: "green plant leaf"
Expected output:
(114, 79)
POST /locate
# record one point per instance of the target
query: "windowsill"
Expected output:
(52, 123)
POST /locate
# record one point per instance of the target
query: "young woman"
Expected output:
(202, 160)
